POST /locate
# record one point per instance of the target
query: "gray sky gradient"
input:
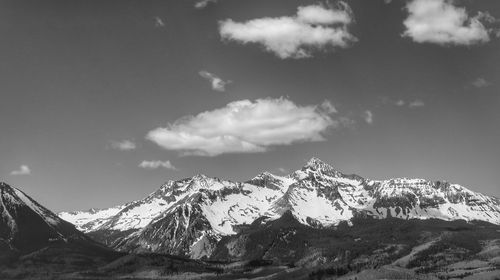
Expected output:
(80, 78)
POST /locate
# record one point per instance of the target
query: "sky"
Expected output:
(101, 102)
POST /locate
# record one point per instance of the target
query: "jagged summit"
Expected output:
(316, 164)
(200, 176)
(4, 185)
(264, 174)
(167, 184)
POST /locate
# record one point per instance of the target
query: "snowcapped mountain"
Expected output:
(90, 219)
(324, 196)
(26, 226)
(189, 216)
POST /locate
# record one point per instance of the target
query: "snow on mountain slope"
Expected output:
(315, 199)
(140, 213)
(137, 214)
(188, 216)
(193, 225)
(237, 206)
(312, 206)
(91, 219)
(181, 230)
(417, 198)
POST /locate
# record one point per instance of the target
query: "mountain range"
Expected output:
(315, 223)
(189, 217)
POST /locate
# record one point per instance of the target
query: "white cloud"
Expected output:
(159, 22)
(328, 107)
(23, 170)
(217, 83)
(314, 27)
(487, 17)
(368, 116)
(346, 122)
(316, 14)
(203, 3)
(245, 127)
(400, 103)
(416, 104)
(481, 83)
(155, 164)
(283, 170)
(442, 23)
(124, 145)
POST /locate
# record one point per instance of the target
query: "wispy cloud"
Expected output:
(283, 170)
(155, 164)
(23, 170)
(368, 116)
(402, 102)
(416, 104)
(216, 82)
(124, 145)
(159, 22)
(203, 3)
(481, 83)
(328, 107)
(441, 22)
(313, 28)
(245, 127)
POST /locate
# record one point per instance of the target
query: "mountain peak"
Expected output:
(200, 176)
(167, 185)
(7, 188)
(4, 185)
(317, 164)
(314, 161)
(264, 174)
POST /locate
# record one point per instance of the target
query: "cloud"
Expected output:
(155, 164)
(217, 83)
(23, 170)
(402, 102)
(368, 116)
(203, 3)
(442, 23)
(416, 104)
(481, 83)
(283, 170)
(159, 22)
(313, 28)
(245, 127)
(125, 145)
(328, 107)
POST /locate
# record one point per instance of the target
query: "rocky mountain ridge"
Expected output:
(189, 216)
(27, 227)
